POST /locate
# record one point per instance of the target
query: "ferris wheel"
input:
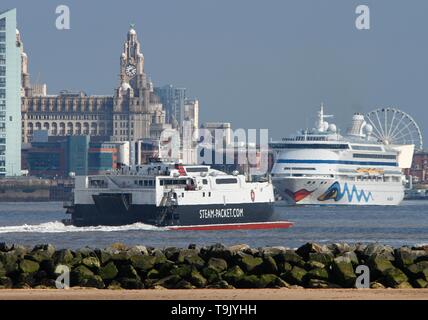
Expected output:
(393, 126)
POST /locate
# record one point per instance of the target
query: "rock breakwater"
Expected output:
(217, 266)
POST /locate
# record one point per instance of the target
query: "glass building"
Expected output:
(173, 100)
(10, 95)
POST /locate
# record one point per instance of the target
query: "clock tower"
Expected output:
(135, 108)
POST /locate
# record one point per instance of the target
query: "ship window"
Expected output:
(368, 148)
(150, 183)
(226, 181)
(374, 156)
(196, 169)
(161, 182)
(182, 194)
(203, 194)
(308, 146)
(209, 194)
(146, 183)
(204, 181)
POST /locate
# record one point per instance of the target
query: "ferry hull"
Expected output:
(331, 191)
(111, 213)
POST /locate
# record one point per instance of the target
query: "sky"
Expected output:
(257, 64)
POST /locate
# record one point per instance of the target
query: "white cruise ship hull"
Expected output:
(335, 191)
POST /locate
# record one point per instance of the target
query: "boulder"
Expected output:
(343, 272)
(321, 284)
(41, 253)
(79, 273)
(313, 265)
(318, 273)
(295, 276)
(118, 246)
(6, 283)
(269, 280)
(28, 266)
(248, 263)
(183, 284)
(250, 281)
(352, 257)
(92, 263)
(5, 247)
(393, 277)
(416, 270)
(109, 271)
(420, 283)
(194, 260)
(9, 260)
(220, 285)
(93, 281)
(268, 266)
(159, 256)
(128, 272)
(217, 251)
(153, 274)
(63, 256)
(325, 258)
(172, 253)
(168, 282)
(292, 258)
(211, 274)
(339, 249)
(376, 285)
(131, 283)
(165, 268)
(376, 248)
(233, 275)
(197, 279)
(284, 267)
(218, 264)
(143, 262)
(138, 250)
(272, 251)
(404, 285)
(104, 256)
(183, 271)
(378, 264)
(2, 270)
(309, 247)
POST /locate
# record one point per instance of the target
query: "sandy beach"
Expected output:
(215, 294)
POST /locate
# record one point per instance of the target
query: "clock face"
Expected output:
(130, 70)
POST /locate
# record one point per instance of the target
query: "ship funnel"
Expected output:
(357, 125)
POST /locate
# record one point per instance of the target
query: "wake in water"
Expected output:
(59, 227)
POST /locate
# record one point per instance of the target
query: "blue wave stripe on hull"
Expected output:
(362, 163)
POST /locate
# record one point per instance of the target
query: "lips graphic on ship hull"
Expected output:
(299, 194)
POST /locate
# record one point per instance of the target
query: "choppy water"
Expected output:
(407, 224)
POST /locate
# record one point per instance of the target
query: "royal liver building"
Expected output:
(133, 113)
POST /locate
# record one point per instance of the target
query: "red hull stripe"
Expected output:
(237, 226)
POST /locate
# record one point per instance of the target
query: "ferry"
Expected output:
(320, 166)
(174, 196)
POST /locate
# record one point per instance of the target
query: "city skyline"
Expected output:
(282, 63)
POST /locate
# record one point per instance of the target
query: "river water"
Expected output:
(35, 223)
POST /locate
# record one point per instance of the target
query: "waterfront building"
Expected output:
(419, 168)
(173, 99)
(222, 128)
(133, 112)
(10, 95)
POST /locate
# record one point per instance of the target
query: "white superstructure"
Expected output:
(321, 166)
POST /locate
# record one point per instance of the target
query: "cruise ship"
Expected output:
(322, 167)
(175, 196)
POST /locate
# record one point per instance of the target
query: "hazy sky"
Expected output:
(256, 64)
